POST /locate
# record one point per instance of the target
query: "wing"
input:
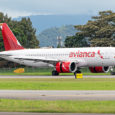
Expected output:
(50, 60)
(37, 59)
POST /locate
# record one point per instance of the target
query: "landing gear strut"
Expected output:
(55, 73)
(78, 71)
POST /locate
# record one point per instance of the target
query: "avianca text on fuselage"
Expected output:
(84, 54)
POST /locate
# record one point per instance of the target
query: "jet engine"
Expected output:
(99, 69)
(66, 67)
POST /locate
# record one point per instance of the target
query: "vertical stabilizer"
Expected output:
(10, 41)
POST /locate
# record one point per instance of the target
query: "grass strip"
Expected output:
(43, 71)
(57, 84)
(49, 73)
(12, 105)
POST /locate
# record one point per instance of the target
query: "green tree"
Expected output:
(100, 30)
(28, 34)
(3, 18)
(76, 41)
(23, 30)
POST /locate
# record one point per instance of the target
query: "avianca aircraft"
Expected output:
(64, 60)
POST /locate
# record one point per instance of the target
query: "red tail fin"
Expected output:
(10, 41)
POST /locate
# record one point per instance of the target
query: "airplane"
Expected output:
(63, 60)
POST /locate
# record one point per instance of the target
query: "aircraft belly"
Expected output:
(37, 64)
(94, 62)
(101, 62)
(30, 63)
(107, 62)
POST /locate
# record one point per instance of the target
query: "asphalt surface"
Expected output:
(21, 113)
(85, 76)
(57, 95)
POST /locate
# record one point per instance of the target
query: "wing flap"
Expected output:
(37, 59)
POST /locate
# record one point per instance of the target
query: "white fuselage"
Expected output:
(84, 57)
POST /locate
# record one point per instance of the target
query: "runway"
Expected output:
(22, 113)
(85, 76)
(57, 95)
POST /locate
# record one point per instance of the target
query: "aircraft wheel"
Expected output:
(55, 73)
(77, 72)
(112, 73)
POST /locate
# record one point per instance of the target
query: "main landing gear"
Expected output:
(55, 73)
(77, 72)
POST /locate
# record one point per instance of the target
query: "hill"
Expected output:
(49, 36)
(48, 27)
(42, 22)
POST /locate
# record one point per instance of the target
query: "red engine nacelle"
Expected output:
(99, 69)
(66, 67)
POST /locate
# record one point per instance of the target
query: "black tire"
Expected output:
(55, 73)
(112, 73)
(77, 72)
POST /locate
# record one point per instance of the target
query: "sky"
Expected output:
(16, 8)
